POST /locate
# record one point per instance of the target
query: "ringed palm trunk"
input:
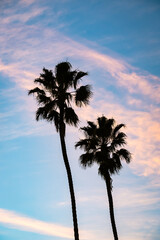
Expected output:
(111, 209)
(70, 181)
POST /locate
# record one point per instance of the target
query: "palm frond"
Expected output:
(92, 125)
(43, 99)
(68, 97)
(69, 79)
(88, 144)
(98, 157)
(78, 77)
(46, 79)
(124, 154)
(54, 116)
(70, 116)
(83, 95)
(41, 113)
(116, 163)
(86, 159)
(36, 90)
(82, 143)
(117, 128)
(119, 140)
(88, 131)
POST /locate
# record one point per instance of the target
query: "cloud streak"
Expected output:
(40, 50)
(17, 221)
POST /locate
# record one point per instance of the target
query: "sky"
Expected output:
(117, 43)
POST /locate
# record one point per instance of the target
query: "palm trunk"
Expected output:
(111, 209)
(70, 181)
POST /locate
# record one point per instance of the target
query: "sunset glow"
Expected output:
(117, 43)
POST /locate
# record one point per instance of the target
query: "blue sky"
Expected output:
(117, 42)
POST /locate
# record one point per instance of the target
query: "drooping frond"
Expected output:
(92, 125)
(82, 143)
(87, 159)
(36, 90)
(46, 79)
(88, 144)
(89, 130)
(98, 157)
(78, 77)
(119, 140)
(43, 99)
(68, 97)
(117, 128)
(115, 165)
(124, 154)
(70, 116)
(83, 95)
(41, 113)
(54, 116)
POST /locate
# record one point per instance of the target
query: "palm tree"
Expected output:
(102, 144)
(55, 95)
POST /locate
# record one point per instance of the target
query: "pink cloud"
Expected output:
(123, 74)
(17, 221)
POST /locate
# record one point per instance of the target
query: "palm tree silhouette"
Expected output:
(102, 144)
(55, 95)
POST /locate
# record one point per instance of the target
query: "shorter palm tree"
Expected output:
(103, 144)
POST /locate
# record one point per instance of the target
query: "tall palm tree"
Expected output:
(55, 95)
(103, 144)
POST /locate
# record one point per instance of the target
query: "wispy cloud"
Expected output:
(26, 2)
(24, 17)
(123, 74)
(17, 221)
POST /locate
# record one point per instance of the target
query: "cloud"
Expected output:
(26, 2)
(17, 221)
(123, 74)
(24, 17)
(20, 76)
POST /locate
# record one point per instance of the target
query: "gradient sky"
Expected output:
(118, 43)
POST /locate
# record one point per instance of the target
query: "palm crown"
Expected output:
(103, 145)
(56, 93)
